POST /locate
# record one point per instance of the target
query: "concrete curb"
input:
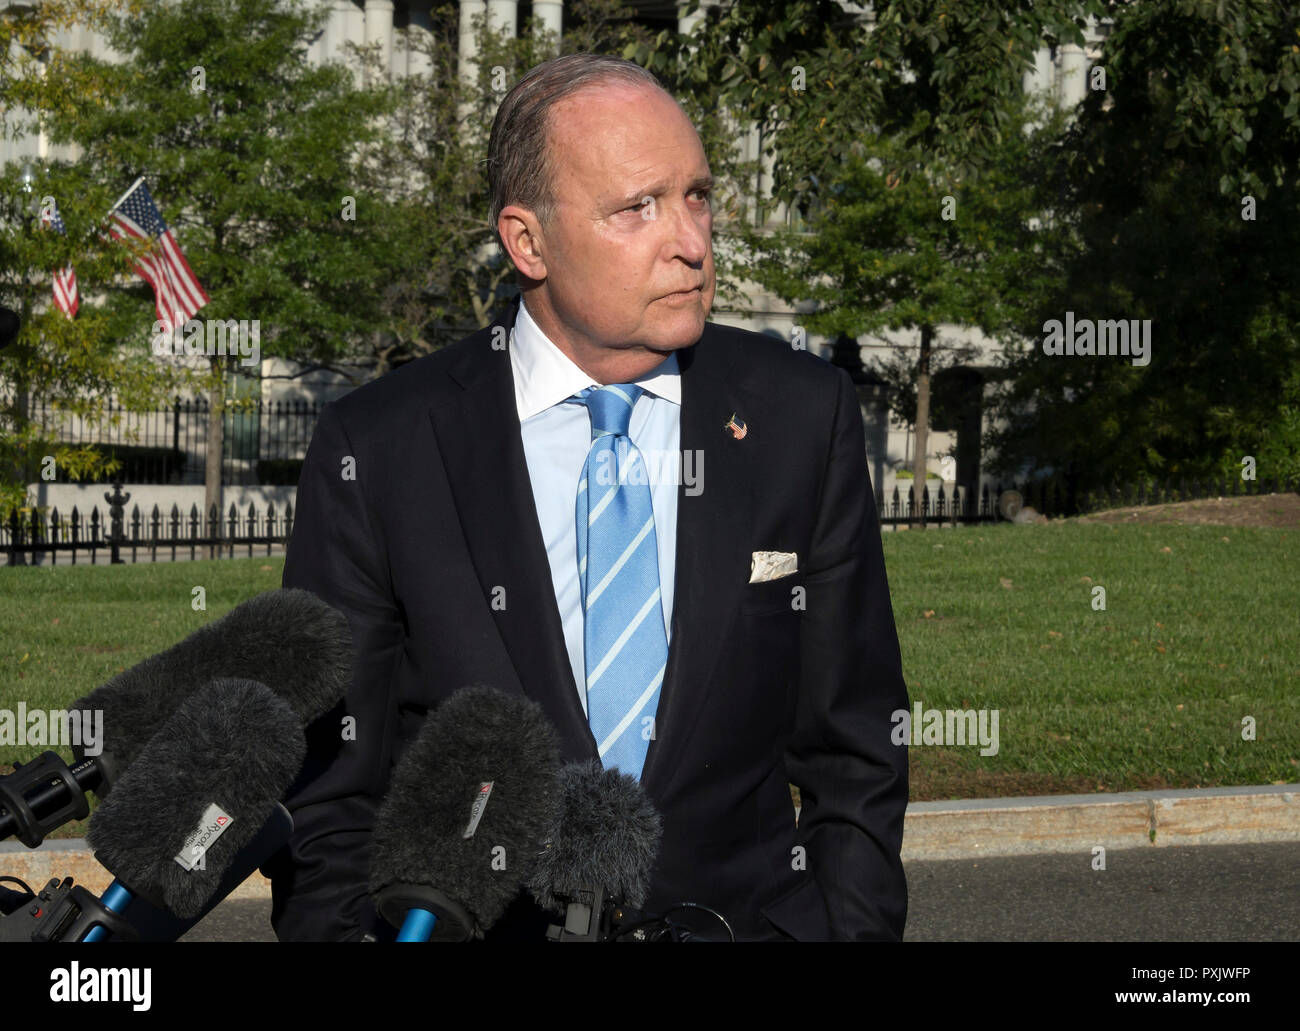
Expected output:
(1133, 819)
(963, 829)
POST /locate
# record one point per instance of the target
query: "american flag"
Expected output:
(177, 293)
(65, 279)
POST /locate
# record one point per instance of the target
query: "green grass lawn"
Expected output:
(1201, 628)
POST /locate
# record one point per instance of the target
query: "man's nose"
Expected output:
(691, 232)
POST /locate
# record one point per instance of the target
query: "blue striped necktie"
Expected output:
(626, 649)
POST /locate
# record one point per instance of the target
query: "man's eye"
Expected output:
(705, 195)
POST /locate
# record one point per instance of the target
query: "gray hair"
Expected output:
(519, 165)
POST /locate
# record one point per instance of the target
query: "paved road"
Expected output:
(1203, 893)
(1206, 893)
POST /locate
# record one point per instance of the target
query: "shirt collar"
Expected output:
(545, 375)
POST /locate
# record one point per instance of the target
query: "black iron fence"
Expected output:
(963, 506)
(1153, 493)
(263, 442)
(1053, 499)
(148, 540)
(193, 536)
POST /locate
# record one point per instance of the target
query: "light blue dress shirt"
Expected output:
(556, 439)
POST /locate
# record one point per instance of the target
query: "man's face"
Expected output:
(627, 259)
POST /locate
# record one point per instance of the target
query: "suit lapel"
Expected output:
(477, 427)
(713, 535)
(479, 440)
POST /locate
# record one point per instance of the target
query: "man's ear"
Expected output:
(521, 234)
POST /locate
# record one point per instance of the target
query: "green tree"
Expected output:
(1180, 187)
(263, 165)
(63, 363)
(34, 75)
(903, 143)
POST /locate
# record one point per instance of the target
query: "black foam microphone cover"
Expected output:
(289, 640)
(217, 767)
(606, 834)
(478, 736)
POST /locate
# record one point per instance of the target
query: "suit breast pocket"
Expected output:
(772, 597)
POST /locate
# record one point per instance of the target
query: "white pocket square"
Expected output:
(772, 565)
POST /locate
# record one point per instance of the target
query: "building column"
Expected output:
(548, 16)
(421, 29)
(1074, 74)
(378, 17)
(1039, 79)
(323, 48)
(347, 22)
(468, 51)
(503, 15)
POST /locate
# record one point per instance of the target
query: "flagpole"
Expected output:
(126, 194)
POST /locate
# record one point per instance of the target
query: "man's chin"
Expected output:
(683, 332)
(666, 349)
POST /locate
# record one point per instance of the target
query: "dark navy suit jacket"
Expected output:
(765, 684)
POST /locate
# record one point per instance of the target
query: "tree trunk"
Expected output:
(22, 421)
(215, 445)
(22, 396)
(922, 421)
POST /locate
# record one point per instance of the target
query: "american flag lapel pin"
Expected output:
(737, 427)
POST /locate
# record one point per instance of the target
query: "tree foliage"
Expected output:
(1198, 130)
(68, 363)
(906, 146)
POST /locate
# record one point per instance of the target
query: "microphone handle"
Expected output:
(418, 926)
(115, 898)
(415, 909)
(44, 794)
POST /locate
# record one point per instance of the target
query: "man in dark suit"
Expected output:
(719, 637)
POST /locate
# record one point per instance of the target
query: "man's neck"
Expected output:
(602, 364)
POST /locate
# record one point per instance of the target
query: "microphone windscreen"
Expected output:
(217, 767)
(289, 640)
(477, 736)
(158, 925)
(607, 834)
